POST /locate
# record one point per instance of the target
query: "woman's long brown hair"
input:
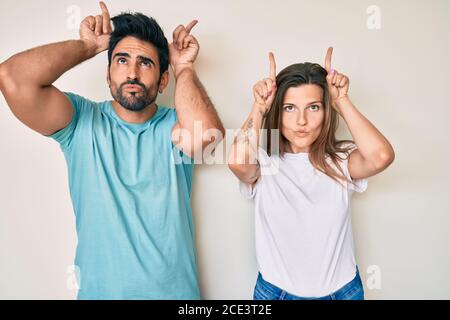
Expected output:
(326, 145)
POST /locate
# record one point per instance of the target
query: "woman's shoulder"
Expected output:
(344, 149)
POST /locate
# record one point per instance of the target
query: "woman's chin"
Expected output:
(300, 145)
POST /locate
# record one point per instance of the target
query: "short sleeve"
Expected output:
(358, 185)
(65, 135)
(179, 154)
(246, 190)
(181, 159)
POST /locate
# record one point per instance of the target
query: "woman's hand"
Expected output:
(338, 83)
(264, 90)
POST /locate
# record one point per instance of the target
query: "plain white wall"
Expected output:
(399, 79)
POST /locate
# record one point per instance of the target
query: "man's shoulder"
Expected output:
(168, 114)
(167, 110)
(80, 102)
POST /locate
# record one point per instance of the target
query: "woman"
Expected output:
(303, 184)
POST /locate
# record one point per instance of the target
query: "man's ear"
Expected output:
(164, 81)
(108, 77)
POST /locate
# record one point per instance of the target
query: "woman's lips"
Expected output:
(301, 133)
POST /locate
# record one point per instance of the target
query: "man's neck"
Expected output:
(135, 116)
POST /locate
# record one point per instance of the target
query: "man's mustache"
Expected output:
(134, 82)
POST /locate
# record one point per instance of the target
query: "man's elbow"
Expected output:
(4, 74)
(212, 135)
(222, 130)
(219, 131)
(7, 83)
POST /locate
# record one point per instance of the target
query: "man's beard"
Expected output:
(136, 101)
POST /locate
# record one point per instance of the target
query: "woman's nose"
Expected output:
(301, 119)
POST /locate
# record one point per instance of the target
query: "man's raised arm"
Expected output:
(191, 100)
(26, 79)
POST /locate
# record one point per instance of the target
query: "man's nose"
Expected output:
(133, 72)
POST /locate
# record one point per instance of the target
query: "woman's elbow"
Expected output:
(384, 158)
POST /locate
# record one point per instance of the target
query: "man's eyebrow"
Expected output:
(121, 54)
(146, 59)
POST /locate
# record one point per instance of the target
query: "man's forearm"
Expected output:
(43, 65)
(192, 102)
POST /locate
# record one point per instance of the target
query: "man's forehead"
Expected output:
(136, 47)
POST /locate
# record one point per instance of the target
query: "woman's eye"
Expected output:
(314, 107)
(289, 108)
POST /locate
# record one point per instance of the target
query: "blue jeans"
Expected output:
(266, 291)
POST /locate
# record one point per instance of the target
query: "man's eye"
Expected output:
(121, 61)
(289, 108)
(145, 63)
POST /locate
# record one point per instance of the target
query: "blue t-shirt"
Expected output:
(132, 201)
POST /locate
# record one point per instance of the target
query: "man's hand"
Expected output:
(184, 48)
(96, 31)
(27, 78)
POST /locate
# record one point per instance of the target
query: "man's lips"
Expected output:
(133, 87)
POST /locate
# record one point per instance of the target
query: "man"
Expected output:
(131, 195)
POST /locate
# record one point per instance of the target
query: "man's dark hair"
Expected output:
(143, 28)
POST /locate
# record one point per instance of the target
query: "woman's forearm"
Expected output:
(245, 146)
(371, 143)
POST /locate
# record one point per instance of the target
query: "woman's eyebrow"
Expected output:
(307, 104)
(314, 102)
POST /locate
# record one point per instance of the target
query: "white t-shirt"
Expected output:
(303, 229)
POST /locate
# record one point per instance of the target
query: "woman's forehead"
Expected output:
(303, 94)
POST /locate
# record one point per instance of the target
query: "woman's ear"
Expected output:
(164, 81)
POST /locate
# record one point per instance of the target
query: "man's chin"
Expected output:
(134, 94)
(134, 107)
(133, 104)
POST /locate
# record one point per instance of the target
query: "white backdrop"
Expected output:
(396, 54)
